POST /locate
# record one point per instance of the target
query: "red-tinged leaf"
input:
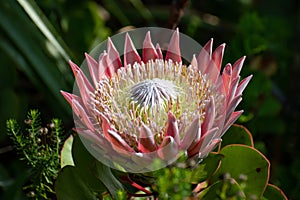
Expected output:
(237, 134)
(273, 192)
(245, 161)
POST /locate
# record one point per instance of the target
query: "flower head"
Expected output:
(134, 112)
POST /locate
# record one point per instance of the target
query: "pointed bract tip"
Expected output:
(194, 62)
(130, 54)
(159, 52)
(148, 36)
(147, 41)
(128, 40)
(227, 69)
(113, 57)
(88, 57)
(173, 52)
(74, 68)
(67, 96)
(237, 66)
(109, 40)
(149, 51)
(208, 46)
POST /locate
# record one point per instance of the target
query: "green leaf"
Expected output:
(79, 178)
(70, 185)
(33, 53)
(104, 174)
(237, 134)
(273, 192)
(94, 171)
(207, 168)
(66, 153)
(92, 175)
(224, 189)
(84, 163)
(243, 162)
(40, 20)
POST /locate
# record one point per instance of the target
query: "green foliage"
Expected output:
(39, 57)
(39, 147)
(273, 192)
(236, 171)
(173, 183)
(243, 162)
(82, 177)
(237, 134)
(66, 152)
(223, 190)
(205, 170)
(71, 185)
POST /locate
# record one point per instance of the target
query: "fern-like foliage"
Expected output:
(40, 147)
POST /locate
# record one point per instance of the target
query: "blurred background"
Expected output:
(37, 38)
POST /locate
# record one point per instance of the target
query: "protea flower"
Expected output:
(153, 106)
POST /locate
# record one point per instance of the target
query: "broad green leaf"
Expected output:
(70, 185)
(104, 174)
(66, 153)
(78, 182)
(247, 166)
(97, 175)
(224, 189)
(40, 20)
(206, 168)
(84, 162)
(273, 192)
(237, 134)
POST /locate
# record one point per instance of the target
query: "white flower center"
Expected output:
(153, 93)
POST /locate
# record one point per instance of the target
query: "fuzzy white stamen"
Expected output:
(153, 93)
